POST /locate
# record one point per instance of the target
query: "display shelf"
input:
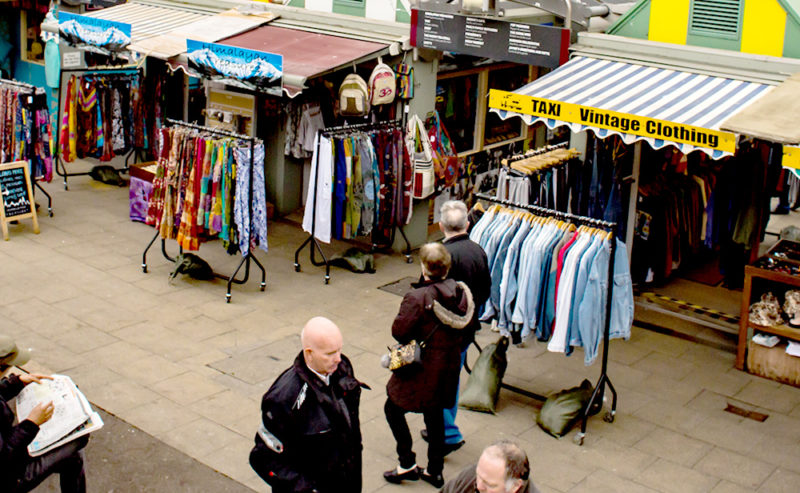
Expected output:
(752, 272)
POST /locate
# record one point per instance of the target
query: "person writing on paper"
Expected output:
(18, 471)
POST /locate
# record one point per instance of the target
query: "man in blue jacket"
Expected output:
(469, 265)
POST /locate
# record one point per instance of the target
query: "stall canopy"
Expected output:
(637, 102)
(161, 29)
(306, 54)
(774, 118)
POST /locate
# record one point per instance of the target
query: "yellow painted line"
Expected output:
(763, 27)
(669, 21)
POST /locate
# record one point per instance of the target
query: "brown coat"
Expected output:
(447, 307)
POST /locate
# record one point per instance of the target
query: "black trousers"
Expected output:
(66, 460)
(434, 422)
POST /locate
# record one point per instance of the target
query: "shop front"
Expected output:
(692, 199)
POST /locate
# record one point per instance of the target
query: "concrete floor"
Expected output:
(176, 361)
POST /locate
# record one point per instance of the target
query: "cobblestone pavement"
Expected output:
(177, 362)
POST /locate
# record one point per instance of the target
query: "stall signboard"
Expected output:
(17, 195)
(250, 69)
(612, 120)
(93, 34)
(529, 44)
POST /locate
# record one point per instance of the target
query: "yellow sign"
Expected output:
(791, 157)
(612, 120)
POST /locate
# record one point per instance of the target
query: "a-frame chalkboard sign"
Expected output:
(17, 195)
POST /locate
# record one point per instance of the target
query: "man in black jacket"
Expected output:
(469, 265)
(310, 436)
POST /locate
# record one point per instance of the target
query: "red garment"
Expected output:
(560, 264)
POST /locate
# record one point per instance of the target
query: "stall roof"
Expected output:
(774, 118)
(160, 29)
(683, 109)
(306, 54)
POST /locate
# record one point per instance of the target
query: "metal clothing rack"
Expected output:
(36, 91)
(596, 402)
(246, 258)
(122, 71)
(312, 239)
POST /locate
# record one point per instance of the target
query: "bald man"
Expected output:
(310, 437)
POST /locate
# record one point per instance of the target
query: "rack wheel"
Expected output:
(578, 439)
(66, 187)
(327, 279)
(609, 417)
(50, 212)
(144, 268)
(409, 259)
(263, 286)
(297, 267)
(227, 297)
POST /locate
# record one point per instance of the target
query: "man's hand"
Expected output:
(27, 378)
(41, 413)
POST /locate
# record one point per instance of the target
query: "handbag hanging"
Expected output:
(419, 147)
(408, 355)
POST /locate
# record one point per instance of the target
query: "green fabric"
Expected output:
(563, 409)
(483, 387)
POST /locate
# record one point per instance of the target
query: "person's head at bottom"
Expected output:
(322, 345)
(502, 468)
(435, 261)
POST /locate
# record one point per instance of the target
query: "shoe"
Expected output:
(395, 477)
(448, 447)
(437, 480)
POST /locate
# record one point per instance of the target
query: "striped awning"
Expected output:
(637, 102)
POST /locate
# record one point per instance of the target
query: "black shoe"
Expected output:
(395, 477)
(448, 447)
(437, 480)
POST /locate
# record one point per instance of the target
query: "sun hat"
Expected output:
(10, 354)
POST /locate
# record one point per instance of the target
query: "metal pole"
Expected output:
(632, 199)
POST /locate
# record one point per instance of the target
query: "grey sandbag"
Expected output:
(356, 260)
(563, 409)
(483, 386)
(108, 175)
(194, 266)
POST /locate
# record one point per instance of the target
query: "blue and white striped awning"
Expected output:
(641, 91)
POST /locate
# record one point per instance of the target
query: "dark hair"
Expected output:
(516, 460)
(435, 260)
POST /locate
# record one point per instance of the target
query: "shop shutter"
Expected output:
(716, 18)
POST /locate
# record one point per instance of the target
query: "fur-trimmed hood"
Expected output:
(451, 318)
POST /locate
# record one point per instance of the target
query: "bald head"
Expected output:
(322, 345)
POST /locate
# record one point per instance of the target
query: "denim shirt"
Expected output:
(523, 273)
(586, 262)
(497, 261)
(477, 231)
(529, 299)
(508, 284)
(593, 303)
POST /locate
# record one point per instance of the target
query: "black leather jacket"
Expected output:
(316, 430)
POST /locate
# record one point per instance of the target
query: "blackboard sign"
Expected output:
(529, 44)
(17, 195)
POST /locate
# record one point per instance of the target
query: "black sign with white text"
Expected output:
(530, 44)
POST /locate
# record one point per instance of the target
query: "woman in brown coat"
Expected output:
(435, 312)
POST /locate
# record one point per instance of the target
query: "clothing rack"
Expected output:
(246, 258)
(312, 240)
(105, 70)
(596, 402)
(36, 91)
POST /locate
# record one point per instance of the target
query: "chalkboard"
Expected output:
(17, 195)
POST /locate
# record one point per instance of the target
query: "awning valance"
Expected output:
(306, 54)
(637, 102)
